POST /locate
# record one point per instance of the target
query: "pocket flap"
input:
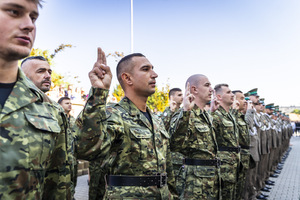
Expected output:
(205, 171)
(140, 133)
(45, 123)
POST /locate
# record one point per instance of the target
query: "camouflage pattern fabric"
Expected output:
(193, 135)
(244, 140)
(132, 145)
(34, 160)
(177, 157)
(167, 116)
(97, 180)
(227, 136)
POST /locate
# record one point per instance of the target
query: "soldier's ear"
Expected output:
(193, 89)
(126, 78)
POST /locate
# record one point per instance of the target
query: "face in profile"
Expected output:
(143, 77)
(203, 90)
(17, 30)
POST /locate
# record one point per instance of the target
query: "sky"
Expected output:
(244, 43)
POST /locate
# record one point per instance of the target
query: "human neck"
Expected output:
(138, 101)
(200, 104)
(8, 71)
(226, 107)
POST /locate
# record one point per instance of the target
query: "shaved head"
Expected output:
(194, 79)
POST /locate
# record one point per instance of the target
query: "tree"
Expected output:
(296, 111)
(159, 100)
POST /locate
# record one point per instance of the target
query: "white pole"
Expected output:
(131, 26)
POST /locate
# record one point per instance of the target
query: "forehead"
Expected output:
(36, 64)
(239, 95)
(139, 61)
(203, 80)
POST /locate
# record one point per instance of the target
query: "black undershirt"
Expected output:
(5, 90)
(148, 116)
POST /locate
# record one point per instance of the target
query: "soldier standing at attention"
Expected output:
(134, 140)
(227, 139)
(193, 136)
(38, 70)
(66, 104)
(175, 98)
(239, 112)
(32, 129)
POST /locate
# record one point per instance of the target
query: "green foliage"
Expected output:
(159, 100)
(296, 111)
(118, 92)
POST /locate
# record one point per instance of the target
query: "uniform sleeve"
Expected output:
(179, 130)
(166, 118)
(91, 125)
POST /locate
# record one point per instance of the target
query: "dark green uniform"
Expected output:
(133, 147)
(34, 146)
(228, 145)
(193, 135)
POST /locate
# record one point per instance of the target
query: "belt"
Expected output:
(189, 161)
(233, 149)
(159, 180)
(245, 147)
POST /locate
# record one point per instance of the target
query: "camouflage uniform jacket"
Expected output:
(227, 136)
(130, 146)
(193, 136)
(244, 138)
(33, 142)
(167, 116)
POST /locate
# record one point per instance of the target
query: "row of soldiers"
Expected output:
(247, 136)
(39, 149)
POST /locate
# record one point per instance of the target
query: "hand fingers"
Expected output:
(101, 56)
(187, 89)
(106, 69)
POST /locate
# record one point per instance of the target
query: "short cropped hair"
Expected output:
(237, 91)
(62, 99)
(173, 90)
(34, 58)
(218, 87)
(125, 65)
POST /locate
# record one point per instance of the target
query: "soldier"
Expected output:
(193, 135)
(239, 112)
(33, 131)
(176, 97)
(227, 139)
(66, 104)
(38, 70)
(135, 141)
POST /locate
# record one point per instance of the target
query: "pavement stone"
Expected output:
(287, 185)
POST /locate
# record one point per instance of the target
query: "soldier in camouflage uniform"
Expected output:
(175, 98)
(227, 139)
(38, 70)
(32, 129)
(244, 141)
(135, 143)
(193, 135)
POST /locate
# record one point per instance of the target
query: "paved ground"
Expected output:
(287, 185)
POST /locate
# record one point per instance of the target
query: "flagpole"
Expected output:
(131, 26)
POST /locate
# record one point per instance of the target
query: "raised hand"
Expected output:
(214, 105)
(188, 99)
(100, 76)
